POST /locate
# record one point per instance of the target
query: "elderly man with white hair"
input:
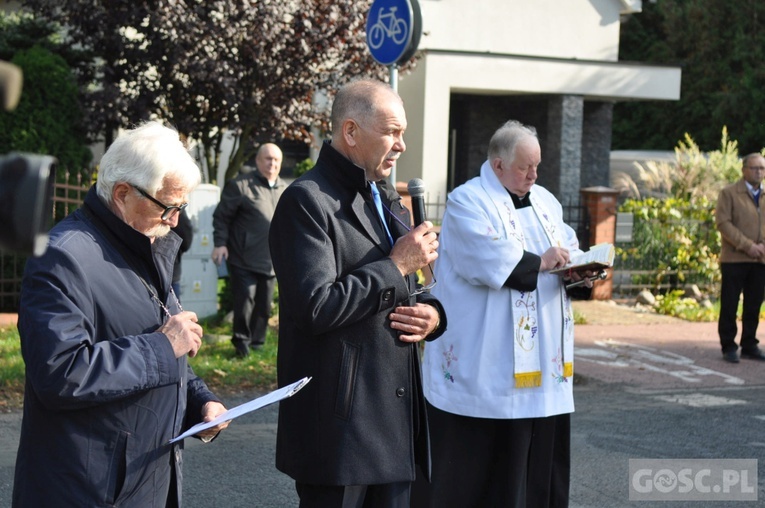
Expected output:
(106, 341)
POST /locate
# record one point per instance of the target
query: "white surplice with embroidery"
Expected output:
(470, 369)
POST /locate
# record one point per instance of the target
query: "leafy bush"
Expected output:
(48, 119)
(693, 174)
(676, 238)
(674, 303)
(303, 167)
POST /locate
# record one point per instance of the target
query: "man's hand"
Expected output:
(577, 276)
(415, 249)
(414, 323)
(554, 257)
(184, 334)
(210, 411)
(757, 251)
(219, 254)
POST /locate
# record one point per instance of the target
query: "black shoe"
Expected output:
(730, 356)
(242, 352)
(753, 354)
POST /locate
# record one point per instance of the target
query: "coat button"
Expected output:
(387, 295)
(400, 392)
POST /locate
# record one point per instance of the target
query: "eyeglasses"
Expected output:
(169, 210)
(756, 168)
(426, 289)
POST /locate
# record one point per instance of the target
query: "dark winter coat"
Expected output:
(242, 219)
(104, 392)
(361, 419)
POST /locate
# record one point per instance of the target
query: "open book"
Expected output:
(599, 257)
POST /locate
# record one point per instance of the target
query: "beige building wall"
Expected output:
(515, 47)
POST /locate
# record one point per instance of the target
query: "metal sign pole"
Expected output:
(393, 28)
(394, 85)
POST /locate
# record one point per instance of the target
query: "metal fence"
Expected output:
(67, 196)
(577, 217)
(639, 265)
(630, 275)
(435, 208)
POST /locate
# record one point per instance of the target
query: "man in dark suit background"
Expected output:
(351, 314)
(241, 222)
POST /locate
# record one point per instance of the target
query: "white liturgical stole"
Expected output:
(526, 351)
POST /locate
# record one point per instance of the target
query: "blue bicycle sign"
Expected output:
(393, 27)
(387, 25)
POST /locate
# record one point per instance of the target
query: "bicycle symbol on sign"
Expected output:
(387, 25)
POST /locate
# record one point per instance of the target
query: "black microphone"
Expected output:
(416, 188)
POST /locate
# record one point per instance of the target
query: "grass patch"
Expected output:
(11, 370)
(222, 370)
(216, 363)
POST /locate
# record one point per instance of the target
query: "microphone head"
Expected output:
(416, 188)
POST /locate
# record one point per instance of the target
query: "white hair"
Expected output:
(144, 157)
(506, 139)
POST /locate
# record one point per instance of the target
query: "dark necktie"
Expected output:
(756, 196)
(378, 205)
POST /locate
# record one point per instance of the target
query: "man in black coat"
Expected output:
(352, 315)
(241, 222)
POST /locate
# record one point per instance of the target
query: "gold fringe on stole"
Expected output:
(528, 379)
(568, 369)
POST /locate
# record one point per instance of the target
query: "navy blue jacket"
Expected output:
(104, 392)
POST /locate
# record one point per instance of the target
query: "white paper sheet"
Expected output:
(247, 407)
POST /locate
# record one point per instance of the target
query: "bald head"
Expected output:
(269, 161)
(358, 100)
(368, 124)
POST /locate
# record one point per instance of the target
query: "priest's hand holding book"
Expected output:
(587, 267)
(558, 258)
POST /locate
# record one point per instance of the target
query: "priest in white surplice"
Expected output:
(499, 382)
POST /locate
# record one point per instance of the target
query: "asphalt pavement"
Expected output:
(643, 391)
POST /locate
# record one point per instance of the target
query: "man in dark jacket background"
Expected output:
(241, 222)
(351, 314)
(105, 340)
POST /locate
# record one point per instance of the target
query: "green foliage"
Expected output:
(674, 232)
(11, 363)
(699, 174)
(676, 237)
(216, 363)
(21, 31)
(224, 70)
(720, 47)
(303, 167)
(674, 303)
(225, 297)
(48, 119)
(691, 175)
(222, 370)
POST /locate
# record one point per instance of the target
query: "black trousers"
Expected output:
(252, 293)
(386, 495)
(748, 278)
(483, 462)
